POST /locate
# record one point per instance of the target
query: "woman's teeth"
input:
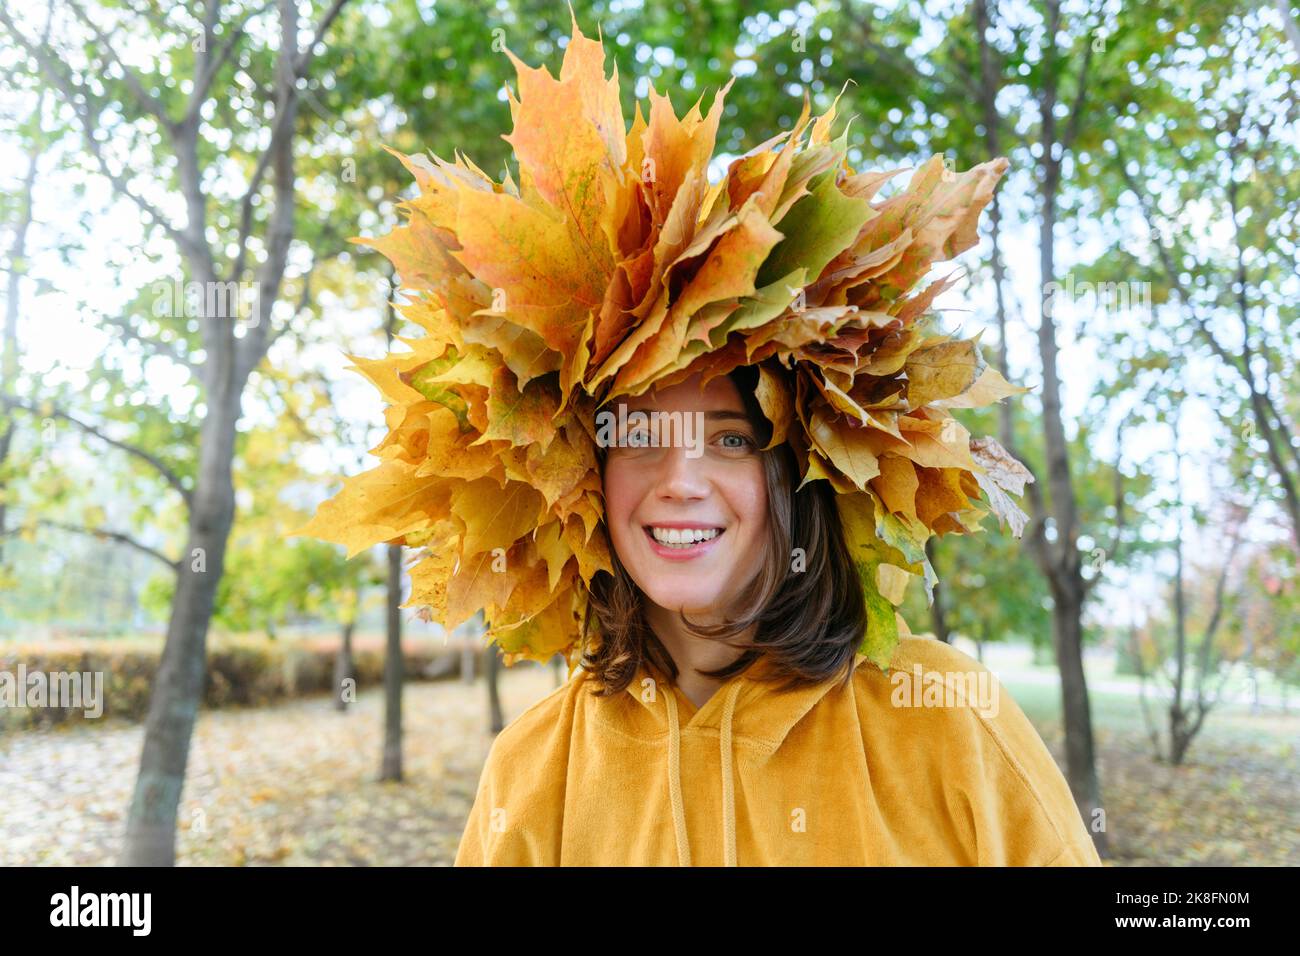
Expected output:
(683, 537)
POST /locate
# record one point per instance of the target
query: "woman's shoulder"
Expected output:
(514, 820)
(930, 682)
(938, 711)
(530, 737)
(930, 654)
(918, 664)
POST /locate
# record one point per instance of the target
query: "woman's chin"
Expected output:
(695, 605)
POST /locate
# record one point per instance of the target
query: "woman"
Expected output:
(725, 717)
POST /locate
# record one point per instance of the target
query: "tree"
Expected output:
(216, 252)
(1224, 160)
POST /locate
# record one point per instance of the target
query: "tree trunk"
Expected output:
(1177, 716)
(1063, 565)
(343, 669)
(178, 686)
(468, 648)
(938, 620)
(1152, 730)
(1255, 704)
(392, 764)
(492, 670)
(17, 270)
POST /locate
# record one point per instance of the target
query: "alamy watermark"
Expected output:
(69, 690)
(197, 300)
(130, 910)
(1126, 299)
(977, 689)
(655, 429)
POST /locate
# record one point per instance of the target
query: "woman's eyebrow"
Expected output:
(712, 416)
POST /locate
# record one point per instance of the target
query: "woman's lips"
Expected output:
(682, 554)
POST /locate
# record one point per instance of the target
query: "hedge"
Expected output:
(241, 672)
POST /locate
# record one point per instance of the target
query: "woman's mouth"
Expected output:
(681, 543)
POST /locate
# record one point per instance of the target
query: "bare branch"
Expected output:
(1111, 552)
(209, 66)
(304, 302)
(152, 460)
(102, 534)
(1076, 109)
(306, 56)
(279, 227)
(1166, 261)
(290, 69)
(148, 101)
(51, 66)
(154, 346)
(1289, 24)
(252, 351)
(202, 59)
(278, 387)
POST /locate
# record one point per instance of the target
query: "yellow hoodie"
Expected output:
(930, 765)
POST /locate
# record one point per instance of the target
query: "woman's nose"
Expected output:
(681, 475)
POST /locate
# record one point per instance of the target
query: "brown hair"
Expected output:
(809, 624)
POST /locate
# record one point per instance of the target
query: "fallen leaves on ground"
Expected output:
(1231, 803)
(294, 784)
(297, 784)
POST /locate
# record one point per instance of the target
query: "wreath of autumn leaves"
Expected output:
(613, 265)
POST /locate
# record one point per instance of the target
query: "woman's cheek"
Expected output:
(619, 503)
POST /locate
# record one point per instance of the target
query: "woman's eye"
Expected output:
(637, 439)
(742, 441)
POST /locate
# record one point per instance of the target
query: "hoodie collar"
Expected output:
(762, 716)
(744, 711)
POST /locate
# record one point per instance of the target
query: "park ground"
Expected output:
(295, 784)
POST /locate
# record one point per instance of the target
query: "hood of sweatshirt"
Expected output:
(870, 773)
(744, 710)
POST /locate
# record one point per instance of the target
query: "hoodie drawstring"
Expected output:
(728, 791)
(675, 782)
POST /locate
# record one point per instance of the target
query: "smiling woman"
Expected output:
(723, 714)
(825, 774)
(727, 600)
(720, 546)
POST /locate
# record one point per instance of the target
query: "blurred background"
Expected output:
(164, 161)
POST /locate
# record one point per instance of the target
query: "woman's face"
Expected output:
(704, 476)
